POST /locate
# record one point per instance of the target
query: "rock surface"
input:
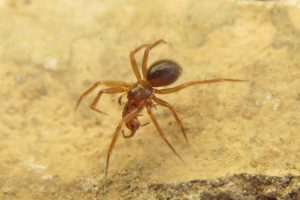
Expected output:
(244, 137)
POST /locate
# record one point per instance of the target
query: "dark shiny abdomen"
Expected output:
(163, 72)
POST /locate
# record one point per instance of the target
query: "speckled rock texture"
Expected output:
(244, 137)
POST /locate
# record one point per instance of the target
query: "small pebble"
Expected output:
(50, 63)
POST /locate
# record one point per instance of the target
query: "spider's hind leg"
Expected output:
(170, 107)
(161, 133)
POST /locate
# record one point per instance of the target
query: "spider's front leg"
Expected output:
(107, 91)
(95, 85)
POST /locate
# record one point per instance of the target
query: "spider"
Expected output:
(142, 94)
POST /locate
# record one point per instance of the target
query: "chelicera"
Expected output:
(142, 94)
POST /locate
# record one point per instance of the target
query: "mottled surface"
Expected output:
(50, 51)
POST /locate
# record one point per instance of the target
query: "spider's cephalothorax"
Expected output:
(140, 91)
(142, 94)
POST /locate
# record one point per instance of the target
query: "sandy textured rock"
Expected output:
(245, 139)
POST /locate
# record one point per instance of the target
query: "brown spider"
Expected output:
(142, 94)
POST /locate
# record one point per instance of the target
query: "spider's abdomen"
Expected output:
(163, 72)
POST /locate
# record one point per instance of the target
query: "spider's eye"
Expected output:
(163, 72)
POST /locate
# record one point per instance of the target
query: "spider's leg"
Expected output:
(108, 91)
(95, 85)
(162, 135)
(184, 85)
(134, 63)
(146, 53)
(126, 119)
(166, 104)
